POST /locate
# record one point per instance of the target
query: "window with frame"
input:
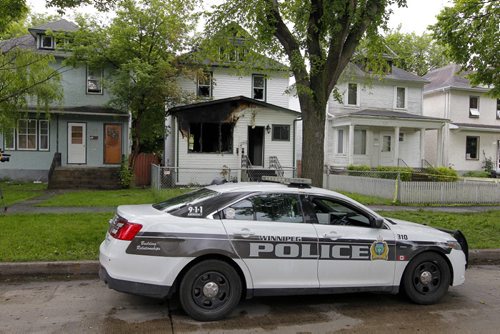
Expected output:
(9, 139)
(400, 97)
(46, 42)
(267, 207)
(43, 135)
(498, 108)
(401, 136)
(281, 132)
(359, 141)
(210, 138)
(473, 106)
(204, 89)
(352, 94)
(386, 143)
(259, 87)
(340, 141)
(472, 148)
(94, 80)
(27, 134)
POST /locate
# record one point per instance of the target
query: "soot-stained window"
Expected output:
(210, 138)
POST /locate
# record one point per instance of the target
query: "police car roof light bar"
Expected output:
(290, 181)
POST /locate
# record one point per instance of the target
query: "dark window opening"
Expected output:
(210, 138)
(281, 132)
(472, 148)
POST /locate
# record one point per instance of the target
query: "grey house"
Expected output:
(78, 143)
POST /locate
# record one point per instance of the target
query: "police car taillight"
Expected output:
(122, 229)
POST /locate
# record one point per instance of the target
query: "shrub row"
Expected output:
(438, 174)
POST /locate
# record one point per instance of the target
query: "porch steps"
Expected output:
(85, 178)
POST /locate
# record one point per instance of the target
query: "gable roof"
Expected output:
(449, 77)
(61, 25)
(230, 100)
(396, 74)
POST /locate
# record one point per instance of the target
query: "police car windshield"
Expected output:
(185, 199)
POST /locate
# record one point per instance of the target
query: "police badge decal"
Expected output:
(379, 250)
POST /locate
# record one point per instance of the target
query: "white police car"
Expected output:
(218, 244)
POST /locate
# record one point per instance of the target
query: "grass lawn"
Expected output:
(52, 237)
(14, 192)
(112, 197)
(367, 200)
(482, 229)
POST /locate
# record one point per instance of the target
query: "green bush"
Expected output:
(391, 172)
(477, 173)
(359, 170)
(442, 174)
(126, 174)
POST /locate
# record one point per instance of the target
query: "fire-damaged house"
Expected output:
(237, 138)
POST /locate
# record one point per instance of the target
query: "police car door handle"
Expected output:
(244, 233)
(332, 235)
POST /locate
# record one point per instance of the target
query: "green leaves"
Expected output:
(471, 30)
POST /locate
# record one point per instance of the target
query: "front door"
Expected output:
(112, 143)
(386, 153)
(269, 234)
(77, 153)
(256, 145)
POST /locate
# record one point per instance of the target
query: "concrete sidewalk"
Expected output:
(76, 268)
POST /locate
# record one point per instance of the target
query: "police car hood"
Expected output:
(406, 227)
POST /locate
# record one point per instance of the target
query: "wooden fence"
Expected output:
(460, 192)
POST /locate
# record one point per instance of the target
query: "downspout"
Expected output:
(57, 133)
(176, 136)
(294, 163)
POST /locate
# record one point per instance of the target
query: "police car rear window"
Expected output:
(205, 207)
(175, 203)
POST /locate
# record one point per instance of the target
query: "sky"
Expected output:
(415, 18)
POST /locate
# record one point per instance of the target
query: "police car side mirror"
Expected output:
(377, 222)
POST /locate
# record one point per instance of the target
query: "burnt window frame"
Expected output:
(219, 151)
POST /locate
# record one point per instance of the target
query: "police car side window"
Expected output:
(331, 212)
(267, 207)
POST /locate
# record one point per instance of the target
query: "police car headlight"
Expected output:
(454, 245)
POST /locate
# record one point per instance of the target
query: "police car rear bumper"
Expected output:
(135, 288)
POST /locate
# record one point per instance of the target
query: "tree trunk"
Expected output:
(136, 142)
(313, 138)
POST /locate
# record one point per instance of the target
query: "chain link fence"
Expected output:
(171, 177)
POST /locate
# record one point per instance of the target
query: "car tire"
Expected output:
(427, 278)
(210, 290)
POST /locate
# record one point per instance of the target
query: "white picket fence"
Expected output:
(460, 192)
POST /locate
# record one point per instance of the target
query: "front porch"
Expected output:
(382, 138)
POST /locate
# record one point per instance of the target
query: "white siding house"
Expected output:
(474, 131)
(213, 136)
(379, 122)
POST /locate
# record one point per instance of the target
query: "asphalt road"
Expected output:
(88, 306)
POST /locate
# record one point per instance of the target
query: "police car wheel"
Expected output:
(210, 290)
(427, 278)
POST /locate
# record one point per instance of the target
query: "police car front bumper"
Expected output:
(135, 288)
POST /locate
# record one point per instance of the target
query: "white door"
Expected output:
(77, 143)
(269, 234)
(352, 252)
(386, 145)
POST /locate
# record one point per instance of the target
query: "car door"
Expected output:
(353, 253)
(269, 233)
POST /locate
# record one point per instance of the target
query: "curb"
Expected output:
(75, 268)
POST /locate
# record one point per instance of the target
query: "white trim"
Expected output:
(52, 42)
(209, 85)
(40, 135)
(346, 97)
(264, 93)
(395, 104)
(27, 135)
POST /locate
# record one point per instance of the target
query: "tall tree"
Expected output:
(140, 46)
(26, 77)
(416, 53)
(471, 29)
(318, 37)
